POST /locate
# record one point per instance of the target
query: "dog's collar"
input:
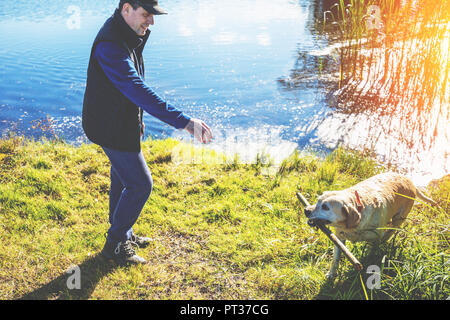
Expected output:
(359, 205)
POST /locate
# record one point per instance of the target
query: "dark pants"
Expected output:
(131, 186)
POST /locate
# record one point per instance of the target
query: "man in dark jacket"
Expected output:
(115, 98)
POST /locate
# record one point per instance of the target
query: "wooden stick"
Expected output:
(356, 264)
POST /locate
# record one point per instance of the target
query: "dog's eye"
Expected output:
(325, 207)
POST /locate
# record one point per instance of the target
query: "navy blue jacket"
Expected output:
(116, 92)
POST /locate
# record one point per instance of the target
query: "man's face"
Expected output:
(139, 20)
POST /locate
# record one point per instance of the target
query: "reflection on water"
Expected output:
(394, 97)
(251, 69)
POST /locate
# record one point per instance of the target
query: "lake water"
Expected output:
(225, 62)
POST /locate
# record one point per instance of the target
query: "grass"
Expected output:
(224, 231)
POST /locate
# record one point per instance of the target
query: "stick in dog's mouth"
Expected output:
(315, 222)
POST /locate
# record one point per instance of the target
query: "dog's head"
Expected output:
(336, 208)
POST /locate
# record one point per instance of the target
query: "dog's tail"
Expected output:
(420, 194)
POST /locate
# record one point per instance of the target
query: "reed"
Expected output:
(396, 66)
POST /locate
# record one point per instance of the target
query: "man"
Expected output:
(115, 98)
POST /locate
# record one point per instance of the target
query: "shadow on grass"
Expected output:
(352, 284)
(92, 272)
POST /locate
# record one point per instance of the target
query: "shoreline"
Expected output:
(274, 150)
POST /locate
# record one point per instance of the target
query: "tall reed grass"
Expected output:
(395, 63)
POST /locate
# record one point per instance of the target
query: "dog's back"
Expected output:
(389, 186)
(387, 199)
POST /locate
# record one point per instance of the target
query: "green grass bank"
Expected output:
(220, 231)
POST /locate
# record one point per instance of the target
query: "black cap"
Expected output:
(151, 6)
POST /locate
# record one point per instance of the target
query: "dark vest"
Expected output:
(109, 118)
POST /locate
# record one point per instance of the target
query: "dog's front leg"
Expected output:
(334, 266)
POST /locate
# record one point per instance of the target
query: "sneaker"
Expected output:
(122, 253)
(141, 242)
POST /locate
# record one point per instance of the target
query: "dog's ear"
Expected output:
(353, 217)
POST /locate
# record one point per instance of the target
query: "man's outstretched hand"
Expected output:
(199, 130)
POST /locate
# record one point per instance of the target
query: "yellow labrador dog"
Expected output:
(366, 211)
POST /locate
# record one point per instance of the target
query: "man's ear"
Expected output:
(126, 8)
(353, 217)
